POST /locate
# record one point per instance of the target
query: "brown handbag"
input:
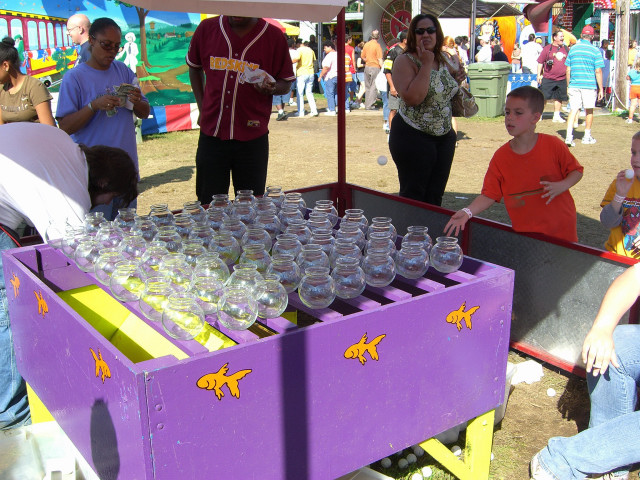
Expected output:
(463, 104)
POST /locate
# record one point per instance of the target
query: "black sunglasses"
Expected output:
(422, 31)
(108, 46)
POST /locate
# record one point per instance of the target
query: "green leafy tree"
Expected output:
(142, 15)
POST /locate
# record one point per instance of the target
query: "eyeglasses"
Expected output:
(69, 30)
(429, 30)
(108, 46)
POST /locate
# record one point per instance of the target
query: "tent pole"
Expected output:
(340, 107)
(472, 34)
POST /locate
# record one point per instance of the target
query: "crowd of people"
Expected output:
(417, 79)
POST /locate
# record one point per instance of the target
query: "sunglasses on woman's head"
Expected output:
(422, 31)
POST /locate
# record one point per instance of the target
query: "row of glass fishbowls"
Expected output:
(239, 260)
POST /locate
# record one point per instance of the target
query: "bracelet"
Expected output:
(90, 107)
(468, 212)
(618, 198)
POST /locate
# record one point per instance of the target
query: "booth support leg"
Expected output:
(477, 454)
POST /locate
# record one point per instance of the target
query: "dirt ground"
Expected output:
(303, 153)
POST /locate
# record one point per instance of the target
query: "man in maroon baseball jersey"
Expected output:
(234, 113)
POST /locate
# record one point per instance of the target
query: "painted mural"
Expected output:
(154, 43)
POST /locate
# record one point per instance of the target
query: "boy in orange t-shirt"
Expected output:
(533, 173)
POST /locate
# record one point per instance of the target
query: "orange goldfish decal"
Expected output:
(215, 381)
(458, 315)
(101, 365)
(15, 283)
(42, 303)
(357, 350)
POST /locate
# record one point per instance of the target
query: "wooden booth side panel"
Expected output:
(83, 380)
(319, 402)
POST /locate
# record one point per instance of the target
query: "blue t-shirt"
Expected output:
(634, 75)
(583, 59)
(83, 84)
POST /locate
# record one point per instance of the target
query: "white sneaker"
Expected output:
(569, 141)
(536, 471)
(588, 140)
(330, 113)
(557, 119)
(292, 102)
(314, 114)
(362, 107)
(629, 120)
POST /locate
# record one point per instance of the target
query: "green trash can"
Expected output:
(488, 84)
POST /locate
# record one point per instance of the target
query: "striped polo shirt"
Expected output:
(583, 59)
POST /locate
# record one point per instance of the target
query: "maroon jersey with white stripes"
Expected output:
(233, 109)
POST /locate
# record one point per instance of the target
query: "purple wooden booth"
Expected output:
(295, 405)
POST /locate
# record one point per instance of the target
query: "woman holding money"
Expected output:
(97, 97)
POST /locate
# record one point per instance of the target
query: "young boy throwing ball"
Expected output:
(533, 173)
(621, 207)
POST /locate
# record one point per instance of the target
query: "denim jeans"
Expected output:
(330, 88)
(305, 85)
(612, 441)
(385, 105)
(14, 406)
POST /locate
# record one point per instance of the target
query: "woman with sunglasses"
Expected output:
(22, 98)
(422, 142)
(88, 108)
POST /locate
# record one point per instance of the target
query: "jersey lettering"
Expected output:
(223, 63)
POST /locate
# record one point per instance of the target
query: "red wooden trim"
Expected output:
(548, 358)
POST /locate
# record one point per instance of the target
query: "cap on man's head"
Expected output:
(588, 30)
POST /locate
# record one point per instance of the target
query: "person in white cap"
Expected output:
(484, 54)
(584, 79)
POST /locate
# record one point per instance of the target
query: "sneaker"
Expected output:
(557, 119)
(569, 142)
(330, 113)
(385, 126)
(362, 107)
(292, 102)
(629, 120)
(314, 114)
(281, 116)
(536, 470)
(588, 140)
(297, 115)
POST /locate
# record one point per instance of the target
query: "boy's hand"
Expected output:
(623, 185)
(552, 190)
(456, 223)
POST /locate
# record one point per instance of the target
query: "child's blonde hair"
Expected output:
(636, 65)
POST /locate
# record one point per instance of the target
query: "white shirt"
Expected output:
(529, 56)
(44, 178)
(331, 62)
(484, 55)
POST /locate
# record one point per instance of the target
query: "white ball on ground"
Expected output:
(456, 450)
(382, 160)
(628, 174)
(416, 476)
(402, 463)
(492, 457)
(426, 472)
(411, 458)
(385, 462)
(418, 450)
(551, 392)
